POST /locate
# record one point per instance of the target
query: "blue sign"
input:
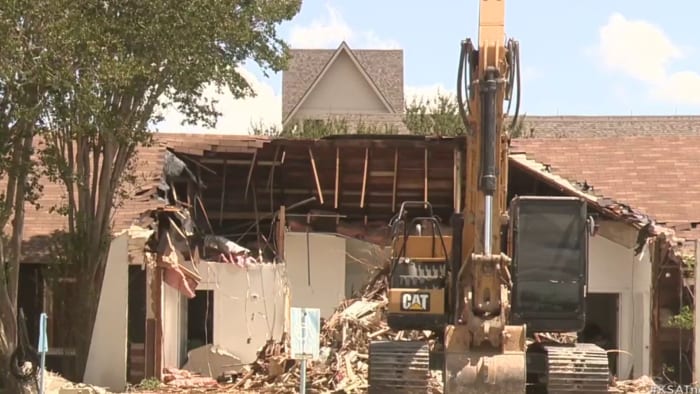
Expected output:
(305, 333)
(43, 340)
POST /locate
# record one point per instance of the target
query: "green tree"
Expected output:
(26, 28)
(114, 64)
(436, 116)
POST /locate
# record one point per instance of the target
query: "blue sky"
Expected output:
(590, 57)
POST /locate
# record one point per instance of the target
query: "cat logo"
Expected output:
(415, 302)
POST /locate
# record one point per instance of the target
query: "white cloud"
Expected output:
(236, 115)
(329, 30)
(426, 92)
(266, 108)
(643, 51)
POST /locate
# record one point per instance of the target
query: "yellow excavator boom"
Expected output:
(498, 258)
(483, 353)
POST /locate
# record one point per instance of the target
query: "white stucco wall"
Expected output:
(249, 305)
(614, 269)
(174, 328)
(106, 364)
(316, 278)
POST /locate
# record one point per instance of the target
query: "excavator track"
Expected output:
(582, 368)
(400, 367)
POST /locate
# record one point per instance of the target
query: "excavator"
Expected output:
(503, 294)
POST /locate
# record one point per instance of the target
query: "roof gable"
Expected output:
(340, 54)
(383, 67)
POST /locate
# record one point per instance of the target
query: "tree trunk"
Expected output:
(9, 278)
(8, 333)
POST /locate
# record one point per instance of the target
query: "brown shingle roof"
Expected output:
(197, 144)
(384, 67)
(39, 224)
(654, 174)
(605, 126)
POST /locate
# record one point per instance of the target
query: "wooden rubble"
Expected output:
(643, 384)
(343, 364)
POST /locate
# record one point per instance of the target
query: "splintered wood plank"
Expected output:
(425, 175)
(250, 175)
(316, 179)
(337, 176)
(396, 179)
(364, 179)
(223, 196)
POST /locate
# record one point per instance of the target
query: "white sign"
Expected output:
(305, 333)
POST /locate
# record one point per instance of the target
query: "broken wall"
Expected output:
(316, 269)
(249, 305)
(613, 268)
(174, 312)
(362, 258)
(106, 363)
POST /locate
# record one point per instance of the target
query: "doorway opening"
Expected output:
(602, 324)
(200, 319)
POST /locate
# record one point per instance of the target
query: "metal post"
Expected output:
(302, 378)
(696, 330)
(488, 233)
(43, 347)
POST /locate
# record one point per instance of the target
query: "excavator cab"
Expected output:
(549, 237)
(549, 244)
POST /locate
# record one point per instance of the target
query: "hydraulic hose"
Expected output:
(463, 83)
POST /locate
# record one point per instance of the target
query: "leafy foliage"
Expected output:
(90, 77)
(437, 116)
(319, 128)
(684, 320)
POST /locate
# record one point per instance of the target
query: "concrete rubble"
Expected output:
(643, 384)
(56, 384)
(210, 360)
(343, 364)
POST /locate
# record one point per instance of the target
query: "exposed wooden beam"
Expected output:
(416, 193)
(346, 209)
(425, 175)
(223, 195)
(243, 215)
(337, 177)
(316, 179)
(413, 187)
(250, 174)
(272, 167)
(396, 179)
(198, 163)
(271, 179)
(281, 226)
(364, 179)
(238, 162)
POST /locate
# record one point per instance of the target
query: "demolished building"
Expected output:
(238, 228)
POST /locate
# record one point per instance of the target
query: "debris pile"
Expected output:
(343, 362)
(181, 378)
(643, 384)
